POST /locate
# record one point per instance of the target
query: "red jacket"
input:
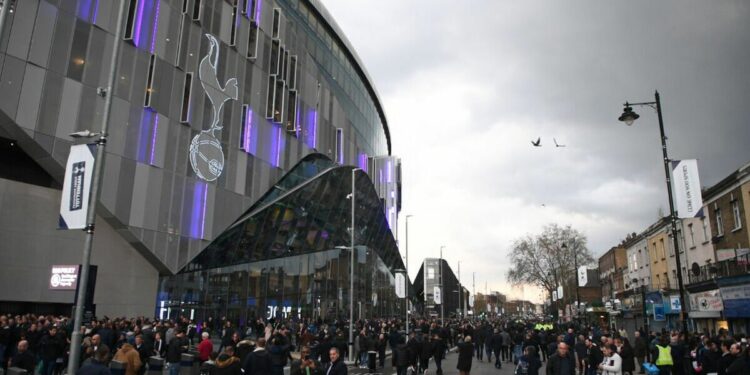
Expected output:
(204, 349)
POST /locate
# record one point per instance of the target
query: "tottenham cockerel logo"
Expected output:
(206, 154)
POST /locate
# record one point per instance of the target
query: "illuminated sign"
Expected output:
(206, 154)
(74, 201)
(63, 277)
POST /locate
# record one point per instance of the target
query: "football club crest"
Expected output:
(206, 154)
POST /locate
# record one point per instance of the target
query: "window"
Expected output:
(235, 23)
(197, 11)
(279, 102)
(252, 42)
(663, 250)
(340, 146)
(292, 126)
(292, 75)
(719, 222)
(275, 57)
(130, 21)
(692, 235)
(276, 30)
(186, 91)
(150, 82)
(736, 215)
(270, 97)
(704, 223)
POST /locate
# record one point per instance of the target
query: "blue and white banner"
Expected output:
(687, 188)
(74, 202)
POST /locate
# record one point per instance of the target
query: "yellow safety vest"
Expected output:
(665, 356)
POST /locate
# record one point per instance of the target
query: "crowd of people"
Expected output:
(41, 345)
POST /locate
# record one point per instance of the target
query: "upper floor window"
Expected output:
(719, 222)
(691, 232)
(704, 222)
(736, 214)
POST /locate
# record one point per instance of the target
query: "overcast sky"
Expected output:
(467, 84)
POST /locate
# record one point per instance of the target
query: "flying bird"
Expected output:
(557, 145)
(538, 142)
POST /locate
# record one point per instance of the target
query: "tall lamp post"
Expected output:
(96, 180)
(442, 297)
(575, 264)
(351, 270)
(460, 291)
(628, 117)
(406, 300)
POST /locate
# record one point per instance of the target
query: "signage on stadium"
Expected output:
(64, 277)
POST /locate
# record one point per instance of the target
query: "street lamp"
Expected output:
(460, 291)
(442, 297)
(575, 264)
(628, 117)
(406, 300)
(351, 267)
(96, 180)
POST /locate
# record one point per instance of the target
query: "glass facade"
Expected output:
(284, 258)
(284, 55)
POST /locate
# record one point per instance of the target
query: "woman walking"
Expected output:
(465, 354)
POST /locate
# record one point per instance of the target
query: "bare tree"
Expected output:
(547, 259)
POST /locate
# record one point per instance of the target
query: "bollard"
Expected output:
(155, 365)
(186, 364)
(16, 371)
(117, 367)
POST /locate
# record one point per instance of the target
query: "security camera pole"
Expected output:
(96, 179)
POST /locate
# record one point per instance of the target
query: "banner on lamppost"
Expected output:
(436, 295)
(687, 188)
(583, 277)
(471, 301)
(74, 202)
(560, 292)
(554, 295)
(400, 285)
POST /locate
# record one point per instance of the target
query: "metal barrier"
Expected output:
(155, 366)
(15, 371)
(186, 364)
(117, 367)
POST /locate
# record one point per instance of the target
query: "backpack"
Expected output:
(522, 368)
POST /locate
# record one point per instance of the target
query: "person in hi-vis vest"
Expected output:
(663, 355)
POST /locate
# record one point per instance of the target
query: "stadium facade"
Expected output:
(234, 130)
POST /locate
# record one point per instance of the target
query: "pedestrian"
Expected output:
(626, 353)
(740, 361)
(400, 359)
(52, 348)
(505, 348)
(259, 361)
(663, 354)
(640, 350)
(612, 363)
(562, 362)
(594, 357)
(529, 362)
(227, 363)
(176, 347)
(98, 363)
(129, 356)
(496, 342)
(23, 358)
(306, 365)
(205, 347)
(580, 352)
(337, 366)
(465, 353)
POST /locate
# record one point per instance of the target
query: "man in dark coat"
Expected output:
(337, 366)
(496, 342)
(562, 362)
(175, 348)
(52, 347)
(640, 350)
(594, 357)
(259, 361)
(401, 356)
(24, 358)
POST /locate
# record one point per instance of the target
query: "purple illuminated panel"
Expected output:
(312, 129)
(363, 162)
(96, 11)
(144, 135)
(156, 26)
(277, 145)
(84, 9)
(248, 142)
(198, 211)
(137, 28)
(258, 5)
(154, 134)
